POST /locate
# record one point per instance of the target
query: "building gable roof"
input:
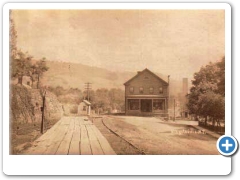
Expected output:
(141, 72)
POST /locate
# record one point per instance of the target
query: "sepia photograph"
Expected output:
(116, 81)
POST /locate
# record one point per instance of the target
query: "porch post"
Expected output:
(139, 105)
(152, 105)
(168, 98)
(89, 109)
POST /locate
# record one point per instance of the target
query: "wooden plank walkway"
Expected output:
(72, 136)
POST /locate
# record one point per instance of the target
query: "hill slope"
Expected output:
(73, 75)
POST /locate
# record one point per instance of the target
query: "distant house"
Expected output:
(84, 108)
(146, 94)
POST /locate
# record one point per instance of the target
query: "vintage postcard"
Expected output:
(118, 80)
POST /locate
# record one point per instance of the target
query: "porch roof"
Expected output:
(145, 96)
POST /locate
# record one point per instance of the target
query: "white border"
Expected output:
(114, 165)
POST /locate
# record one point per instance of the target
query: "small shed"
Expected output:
(84, 108)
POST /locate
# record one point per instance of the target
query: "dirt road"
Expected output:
(153, 136)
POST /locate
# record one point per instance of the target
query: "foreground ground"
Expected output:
(150, 135)
(23, 135)
(71, 136)
(123, 135)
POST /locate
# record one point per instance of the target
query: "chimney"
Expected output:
(139, 72)
(185, 86)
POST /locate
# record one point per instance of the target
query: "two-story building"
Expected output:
(146, 94)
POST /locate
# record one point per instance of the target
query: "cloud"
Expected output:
(176, 42)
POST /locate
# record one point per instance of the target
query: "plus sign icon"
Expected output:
(227, 145)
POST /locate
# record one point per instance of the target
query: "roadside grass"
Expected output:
(23, 135)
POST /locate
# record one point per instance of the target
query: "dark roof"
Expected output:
(140, 72)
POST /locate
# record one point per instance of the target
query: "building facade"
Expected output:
(146, 94)
(84, 108)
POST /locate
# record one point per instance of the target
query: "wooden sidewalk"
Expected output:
(72, 136)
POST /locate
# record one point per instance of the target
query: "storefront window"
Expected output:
(158, 104)
(133, 104)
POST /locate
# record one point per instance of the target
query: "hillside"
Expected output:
(75, 75)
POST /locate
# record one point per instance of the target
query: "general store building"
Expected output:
(146, 94)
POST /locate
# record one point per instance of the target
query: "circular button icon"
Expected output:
(227, 145)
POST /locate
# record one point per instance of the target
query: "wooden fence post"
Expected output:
(43, 106)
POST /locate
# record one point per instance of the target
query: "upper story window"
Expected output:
(151, 90)
(146, 77)
(160, 90)
(141, 90)
(131, 89)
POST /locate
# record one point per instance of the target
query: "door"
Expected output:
(146, 105)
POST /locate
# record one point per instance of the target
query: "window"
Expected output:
(84, 108)
(141, 90)
(158, 104)
(131, 89)
(151, 90)
(160, 90)
(133, 104)
(146, 77)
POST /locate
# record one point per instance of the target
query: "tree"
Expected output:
(21, 66)
(13, 38)
(32, 74)
(212, 104)
(193, 98)
(106, 99)
(117, 98)
(221, 75)
(101, 99)
(21, 63)
(207, 78)
(206, 97)
(39, 69)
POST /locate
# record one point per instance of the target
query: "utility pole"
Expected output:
(168, 98)
(42, 109)
(88, 88)
(174, 109)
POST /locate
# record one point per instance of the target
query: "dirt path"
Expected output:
(153, 136)
(119, 145)
(72, 136)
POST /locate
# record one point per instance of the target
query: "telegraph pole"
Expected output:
(88, 88)
(42, 109)
(168, 103)
(174, 109)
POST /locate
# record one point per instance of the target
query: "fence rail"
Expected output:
(216, 128)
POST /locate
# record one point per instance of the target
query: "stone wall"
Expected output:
(26, 105)
(21, 108)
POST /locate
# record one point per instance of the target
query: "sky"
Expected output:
(170, 42)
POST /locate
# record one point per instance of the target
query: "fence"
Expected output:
(220, 129)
